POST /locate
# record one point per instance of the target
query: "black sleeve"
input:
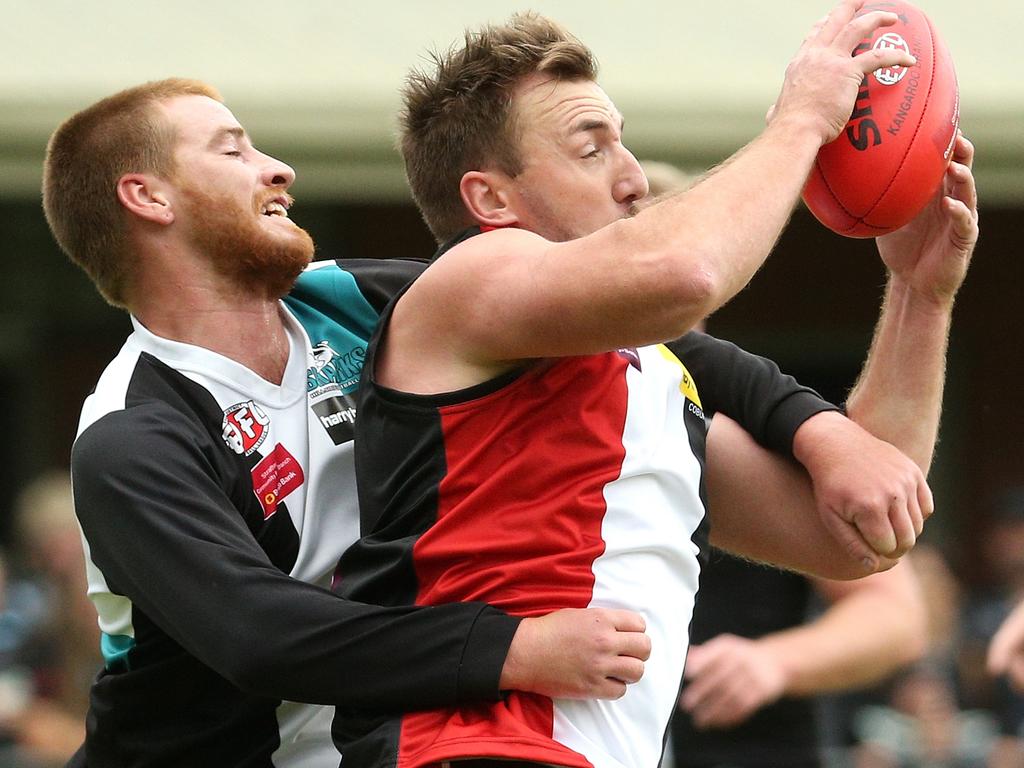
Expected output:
(380, 280)
(160, 526)
(749, 389)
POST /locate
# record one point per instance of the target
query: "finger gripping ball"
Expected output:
(890, 158)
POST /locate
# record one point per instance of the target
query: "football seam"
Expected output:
(835, 197)
(917, 127)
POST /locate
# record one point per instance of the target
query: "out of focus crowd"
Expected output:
(49, 639)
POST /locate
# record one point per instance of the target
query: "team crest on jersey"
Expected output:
(330, 369)
(245, 427)
(330, 381)
(274, 477)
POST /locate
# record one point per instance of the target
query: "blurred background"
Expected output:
(315, 83)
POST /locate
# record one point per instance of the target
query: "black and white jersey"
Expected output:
(214, 507)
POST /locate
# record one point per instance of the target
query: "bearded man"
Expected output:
(213, 470)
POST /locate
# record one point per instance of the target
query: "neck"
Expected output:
(245, 328)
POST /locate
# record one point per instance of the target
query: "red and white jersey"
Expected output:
(573, 483)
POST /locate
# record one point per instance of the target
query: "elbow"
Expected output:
(254, 672)
(691, 292)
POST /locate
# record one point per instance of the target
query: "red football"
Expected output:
(889, 160)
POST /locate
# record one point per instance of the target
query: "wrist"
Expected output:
(813, 433)
(807, 130)
(515, 671)
(776, 652)
(926, 302)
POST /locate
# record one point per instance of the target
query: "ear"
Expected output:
(143, 195)
(486, 195)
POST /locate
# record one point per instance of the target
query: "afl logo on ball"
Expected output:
(891, 75)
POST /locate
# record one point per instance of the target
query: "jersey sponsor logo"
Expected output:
(338, 416)
(274, 477)
(245, 427)
(686, 383)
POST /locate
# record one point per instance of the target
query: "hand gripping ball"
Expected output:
(891, 157)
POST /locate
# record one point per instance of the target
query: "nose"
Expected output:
(631, 184)
(276, 174)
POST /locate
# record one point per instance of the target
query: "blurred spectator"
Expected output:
(987, 607)
(925, 723)
(924, 727)
(49, 638)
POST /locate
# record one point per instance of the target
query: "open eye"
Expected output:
(593, 153)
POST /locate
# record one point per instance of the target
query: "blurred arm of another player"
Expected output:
(731, 677)
(1006, 651)
(897, 399)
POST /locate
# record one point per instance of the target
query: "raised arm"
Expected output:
(897, 399)
(510, 294)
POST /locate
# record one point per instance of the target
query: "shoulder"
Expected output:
(138, 435)
(341, 282)
(487, 257)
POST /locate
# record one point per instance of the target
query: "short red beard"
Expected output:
(239, 249)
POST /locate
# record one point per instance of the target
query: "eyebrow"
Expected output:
(235, 131)
(597, 124)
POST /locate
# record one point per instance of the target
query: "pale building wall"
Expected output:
(316, 80)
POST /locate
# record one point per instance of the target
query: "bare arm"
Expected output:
(731, 677)
(510, 295)
(897, 400)
(1006, 651)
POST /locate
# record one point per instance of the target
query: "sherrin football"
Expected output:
(890, 158)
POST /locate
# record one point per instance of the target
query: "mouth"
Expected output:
(276, 206)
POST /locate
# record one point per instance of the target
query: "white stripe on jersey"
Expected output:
(649, 565)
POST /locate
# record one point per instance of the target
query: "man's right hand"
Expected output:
(590, 653)
(822, 80)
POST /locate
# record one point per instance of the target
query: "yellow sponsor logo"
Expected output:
(686, 385)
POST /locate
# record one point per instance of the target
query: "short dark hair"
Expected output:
(457, 117)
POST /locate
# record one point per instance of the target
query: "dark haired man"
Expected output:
(532, 416)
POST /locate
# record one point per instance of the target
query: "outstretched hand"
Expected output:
(589, 653)
(931, 253)
(823, 78)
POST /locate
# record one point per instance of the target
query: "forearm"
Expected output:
(876, 626)
(898, 396)
(726, 225)
(762, 507)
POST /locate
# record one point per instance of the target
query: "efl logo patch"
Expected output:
(245, 427)
(277, 475)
